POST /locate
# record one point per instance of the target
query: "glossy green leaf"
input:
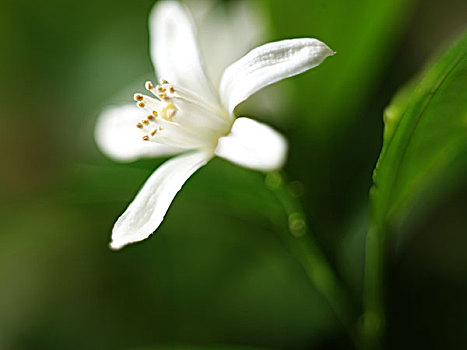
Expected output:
(425, 140)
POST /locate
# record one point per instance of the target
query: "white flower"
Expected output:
(188, 112)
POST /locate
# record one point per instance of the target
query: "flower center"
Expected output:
(178, 117)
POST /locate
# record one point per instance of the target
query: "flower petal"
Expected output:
(146, 212)
(117, 136)
(218, 32)
(253, 145)
(175, 51)
(268, 64)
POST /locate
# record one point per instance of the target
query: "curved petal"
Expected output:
(268, 64)
(253, 145)
(218, 26)
(218, 32)
(117, 136)
(175, 51)
(146, 212)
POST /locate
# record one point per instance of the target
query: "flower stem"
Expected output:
(303, 245)
(373, 317)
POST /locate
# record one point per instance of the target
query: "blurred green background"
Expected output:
(216, 272)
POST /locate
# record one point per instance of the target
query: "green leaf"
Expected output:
(425, 140)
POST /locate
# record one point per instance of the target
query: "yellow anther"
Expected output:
(145, 138)
(163, 81)
(149, 85)
(145, 122)
(138, 97)
(141, 104)
(139, 126)
(153, 132)
(151, 118)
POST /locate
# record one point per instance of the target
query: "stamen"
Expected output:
(148, 103)
(162, 113)
(138, 97)
(149, 85)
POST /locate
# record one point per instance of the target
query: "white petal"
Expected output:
(201, 121)
(253, 145)
(268, 64)
(174, 49)
(218, 27)
(200, 9)
(218, 31)
(118, 137)
(146, 212)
